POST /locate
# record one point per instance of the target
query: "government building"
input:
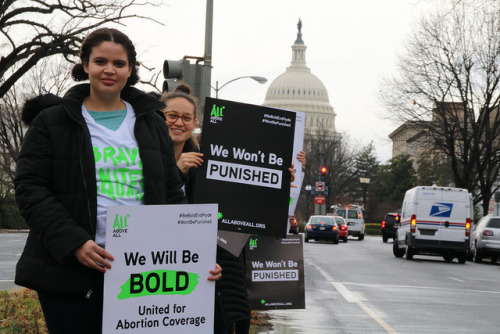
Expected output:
(297, 89)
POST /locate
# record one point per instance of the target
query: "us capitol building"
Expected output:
(299, 90)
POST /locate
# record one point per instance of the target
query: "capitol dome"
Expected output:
(299, 90)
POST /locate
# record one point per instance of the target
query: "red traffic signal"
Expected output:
(324, 170)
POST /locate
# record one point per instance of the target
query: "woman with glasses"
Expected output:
(232, 312)
(232, 308)
(180, 114)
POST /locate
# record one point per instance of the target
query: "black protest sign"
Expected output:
(275, 272)
(247, 151)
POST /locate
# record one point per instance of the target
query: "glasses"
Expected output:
(172, 117)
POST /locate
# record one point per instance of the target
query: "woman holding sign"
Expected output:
(232, 308)
(103, 143)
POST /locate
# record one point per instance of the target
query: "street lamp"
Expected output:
(260, 80)
(365, 182)
(308, 192)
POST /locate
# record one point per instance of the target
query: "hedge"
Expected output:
(10, 218)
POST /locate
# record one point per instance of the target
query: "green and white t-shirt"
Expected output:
(117, 162)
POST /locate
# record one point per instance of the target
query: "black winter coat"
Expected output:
(231, 300)
(56, 187)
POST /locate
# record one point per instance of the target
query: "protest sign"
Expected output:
(158, 280)
(247, 150)
(298, 145)
(233, 242)
(275, 272)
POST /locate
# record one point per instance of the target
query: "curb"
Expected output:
(5, 230)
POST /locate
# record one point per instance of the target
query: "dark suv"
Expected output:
(390, 226)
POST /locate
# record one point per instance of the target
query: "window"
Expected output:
(391, 219)
(353, 214)
(319, 220)
(494, 223)
(341, 212)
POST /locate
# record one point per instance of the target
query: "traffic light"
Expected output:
(182, 70)
(323, 170)
(172, 72)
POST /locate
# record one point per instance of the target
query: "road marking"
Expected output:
(351, 298)
(456, 279)
(421, 287)
(343, 290)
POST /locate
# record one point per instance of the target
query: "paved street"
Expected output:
(360, 287)
(11, 246)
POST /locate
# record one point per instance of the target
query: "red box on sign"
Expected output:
(319, 199)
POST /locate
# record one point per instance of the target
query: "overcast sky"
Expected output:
(351, 45)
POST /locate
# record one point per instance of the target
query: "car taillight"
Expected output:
(309, 227)
(334, 227)
(383, 224)
(359, 215)
(488, 233)
(467, 227)
(413, 223)
(343, 228)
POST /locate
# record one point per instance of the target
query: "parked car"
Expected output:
(294, 227)
(487, 239)
(343, 229)
(390, 226)
(321, 228)
(355, 217)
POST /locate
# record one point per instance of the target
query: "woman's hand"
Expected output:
(216, 273)
(292, 176)
(94, 256)
(301, 156)
(188, 160)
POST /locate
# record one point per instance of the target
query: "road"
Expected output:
(360, 287)
(11, 247)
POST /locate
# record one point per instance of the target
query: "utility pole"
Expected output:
(207, 63)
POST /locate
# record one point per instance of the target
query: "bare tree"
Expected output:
(449, 87)
(52, 75)
(333, 151)
(31, 30)
(470, 4)
(11, 134)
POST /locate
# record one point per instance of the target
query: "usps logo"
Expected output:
(441, 210)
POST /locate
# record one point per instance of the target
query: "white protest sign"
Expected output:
(158, 280)
(298, 145)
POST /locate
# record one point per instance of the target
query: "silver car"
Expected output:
(487, 238)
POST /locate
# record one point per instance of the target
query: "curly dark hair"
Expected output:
(94, 39)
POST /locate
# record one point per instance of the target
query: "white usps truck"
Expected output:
(435, 221)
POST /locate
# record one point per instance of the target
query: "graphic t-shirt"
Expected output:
(118, 166)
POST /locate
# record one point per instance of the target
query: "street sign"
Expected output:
(320, 186)
(319, 199)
